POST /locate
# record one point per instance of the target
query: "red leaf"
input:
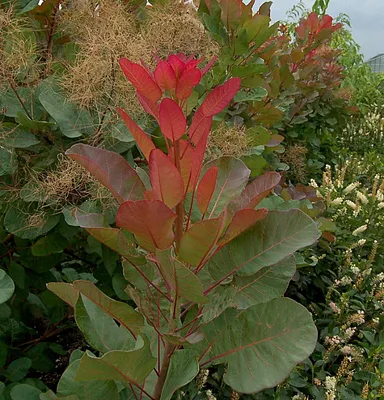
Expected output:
(111, 170)
(150, 221)
(186, 151)
(241, 222)
(256, 191)
(140, 79)
(199, 240)
(166, 181)
(220, 97)
(197, 162)
(206, 188)
(176, 64)
(172, 120)
(144, 143)
(187, 81)
(149, 106)
(200, 126)
(165, 76)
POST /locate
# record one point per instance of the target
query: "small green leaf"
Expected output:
(184, 361)
(50, 244)
(7, 287)
(255, 94)
(8, 161)
(28, 123)
(19, 139)
(18, 369)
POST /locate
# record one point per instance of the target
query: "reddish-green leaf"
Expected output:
(65, 291)
(111, 170)
(200, 126)
(172, 120)
(206, 188)
(231, 11)
(140, 79)
(197, 162)
(186, 160)
(150, 107)
(187, 81)
(144, 143)
(113, 238)
(242, 221)
(180, 279)
(150, 221)
(165, 76)
(200, 239)
(255, 192)
(166, 181)
(220, 97)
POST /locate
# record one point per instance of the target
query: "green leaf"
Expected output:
(181, 280)
(250, 69)
(18, 223)
(19, 138)
(129, 366)
(267, 284)
(255, 94)
(265, 341)
(7, 287)
(50, 244)
(73, 121)
(272, 239)
(17, 273)
(94, 390)
(231, 180)
(18, 369)
(184, 361)
(25, 392)
(26, 122)
(8, 161)
(51, 396)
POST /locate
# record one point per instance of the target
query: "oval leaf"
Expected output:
(172, 120)
(206, 188)
(7, 287)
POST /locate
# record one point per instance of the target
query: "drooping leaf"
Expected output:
(182, 360)
(166, 181)
(140, 79)
(144, 143)
(198, 241)
(172, 120)
(150, 221)
(126, 366)
(93, 390)
(182, 280)
(267, 340)
(267, 284)
(256, 191)
(121, 312)
(111, 170)
(241, 222)
(7, 287)
(220, 97)
(272, 239)
(231, 180)
(165, 76)
(206, 188)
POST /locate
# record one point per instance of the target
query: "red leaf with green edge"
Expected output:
(186, 159)
(206, 188)
(165, 76)
(241, 222)
(166, 181)
(187, 81)
(150, 221)
(200, 239)
(150, 107)
(144, 143)
(111, 170)
(115, 239)
(256, 191)
(140, 79)
(200, 126)
(180, 279)
(172, 120)
(220, 97)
